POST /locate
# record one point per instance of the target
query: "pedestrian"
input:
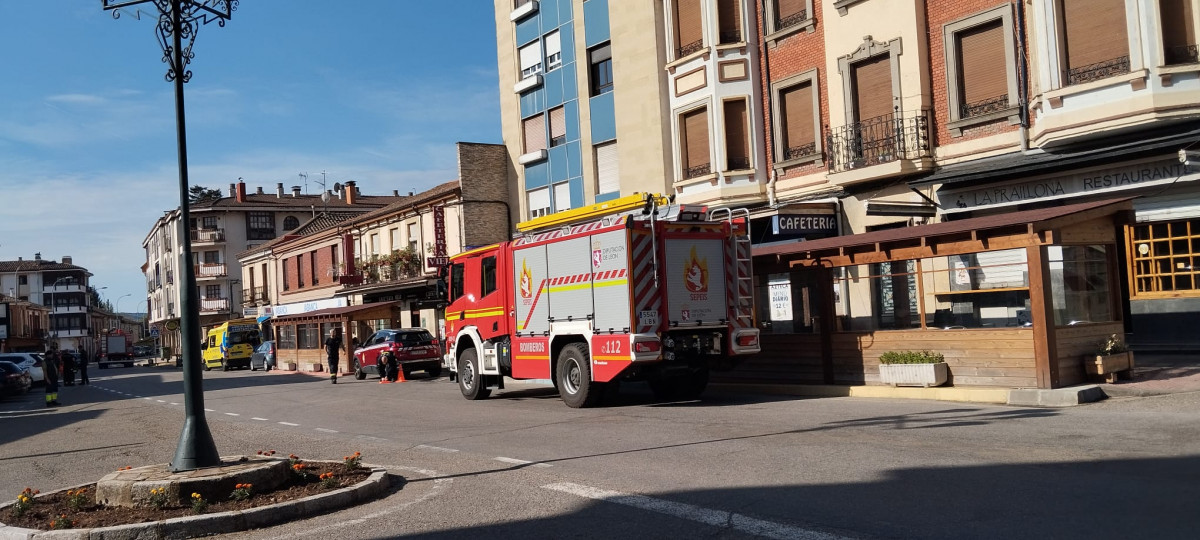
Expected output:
(68, 367)
(83, 363)
(332, 344)
(50, 367)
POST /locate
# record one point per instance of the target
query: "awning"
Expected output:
(262, 318)
(961, 236)
(1040, 163)
(379, 310)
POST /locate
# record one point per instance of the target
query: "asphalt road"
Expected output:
(523, 465)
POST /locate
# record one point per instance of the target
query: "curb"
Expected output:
(220, 523)
(970, 395)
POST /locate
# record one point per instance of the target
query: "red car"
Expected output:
(14, 379)
(415, 349)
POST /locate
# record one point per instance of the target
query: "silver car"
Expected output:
(263, 357)
(29, 361)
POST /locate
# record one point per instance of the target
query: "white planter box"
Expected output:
(925, 375)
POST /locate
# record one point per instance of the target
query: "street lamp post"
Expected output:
(179, 20)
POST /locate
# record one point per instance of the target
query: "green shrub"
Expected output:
(911, 357)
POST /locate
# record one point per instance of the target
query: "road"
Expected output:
(734, 465)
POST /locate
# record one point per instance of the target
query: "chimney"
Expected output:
(410, 193)
(241, 192)
(395, 193)
(351, 191)
(295, 191)
(66, 259)
(37, 256)
(260, 191)
(232, 190)
(279, 190)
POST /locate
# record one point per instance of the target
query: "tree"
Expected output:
(201, 193)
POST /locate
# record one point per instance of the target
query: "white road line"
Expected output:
(435, 448)
(160, 401)
(521, 462)
(716, 518)
(232, 414)
(324, 430)
(370, 438)
(439, 485)
(173, 403)
(209, 410)
(259, 419)
(288, 424)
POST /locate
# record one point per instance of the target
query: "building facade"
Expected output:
(23, 325)
(63, 287)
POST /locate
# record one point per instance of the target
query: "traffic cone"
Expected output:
(400, 375)
(384, 381)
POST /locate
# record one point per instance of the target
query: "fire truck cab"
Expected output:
(649, 291)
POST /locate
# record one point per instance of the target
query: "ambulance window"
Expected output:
(456, 281)
(487, 274)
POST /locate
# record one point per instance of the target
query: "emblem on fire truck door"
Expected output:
(526, 281)
(695, 273)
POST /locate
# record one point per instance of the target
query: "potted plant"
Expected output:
(1112, 356)
(913, 368)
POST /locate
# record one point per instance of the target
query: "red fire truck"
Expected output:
(651, 291)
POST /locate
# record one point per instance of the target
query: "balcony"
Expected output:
(208, 236)
(68, 288)
(210, 270)
(1097, 71)
(254, 294)
(689, 48)
(69, 332)
(214, 305)
(884, 139)
(63, 309)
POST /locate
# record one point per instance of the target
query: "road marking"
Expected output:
(146, 398)
(160, 401)
(370, 438)
(435, 448)
(521, 462)
(323, 430)
(173, 403)
(289, 424)
(232, 414)
(708, 516)
(439, 485)
(259, 419)
(209, 410)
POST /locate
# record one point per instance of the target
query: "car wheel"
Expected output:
(206, 368)
(575, 377)
(359, 374)
(434, 371)
(470, 382)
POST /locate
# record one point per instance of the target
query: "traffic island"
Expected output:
(152, 502)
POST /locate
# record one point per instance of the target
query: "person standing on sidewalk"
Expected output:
(332, 344)
(83, 362)
(50, 366)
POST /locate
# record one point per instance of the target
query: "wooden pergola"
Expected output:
(344, 317)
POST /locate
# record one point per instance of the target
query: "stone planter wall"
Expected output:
(925, 375)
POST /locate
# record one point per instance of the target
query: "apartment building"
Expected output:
(218, 230)
(62, 286)
(23, 325)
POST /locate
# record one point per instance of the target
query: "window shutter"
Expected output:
(607, 169)
(562, 196)
(1178, 30)
(980, 74)
(688, 25)
(787, 8)
(872, 88)
(730, 14)
(737, 151)
(539, 202)
(558, 124)
(535, 133)
(531, 59)
(695, 128)
(1096, 31)
(798, 128)
(553, 48)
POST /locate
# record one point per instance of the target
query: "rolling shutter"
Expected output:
(1178, 30)
(558, 126)
(980, 74)
(531, 59)
(608, 178)
(872, 80)
(553, 50)
(535, 133)
(688, 26)
(539, 202)
(1096, 31)
(798, 128)
(737, 144)
(730, 14)
(695, 137)
(562, 196)
(788, 8)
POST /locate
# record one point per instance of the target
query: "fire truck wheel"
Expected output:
(694, 384)
(470, 382)
(575, 377)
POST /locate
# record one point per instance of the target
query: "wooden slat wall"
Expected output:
(1077, 342)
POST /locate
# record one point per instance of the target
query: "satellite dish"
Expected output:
(325, 196)
(337, 186)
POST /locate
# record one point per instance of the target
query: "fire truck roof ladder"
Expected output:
(741, 244)
(629, 203)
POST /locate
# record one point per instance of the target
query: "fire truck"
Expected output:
(115, 348)
(637, 288)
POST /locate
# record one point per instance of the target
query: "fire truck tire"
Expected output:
(574, 376)
(694, 384)
(470, 382)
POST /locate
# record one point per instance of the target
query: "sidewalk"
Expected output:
(1157, 373)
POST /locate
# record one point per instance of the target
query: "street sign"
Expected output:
(153, 331)
(437, 261)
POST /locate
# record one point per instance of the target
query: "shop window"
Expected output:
(1164, 257)
(287, 337)
(308, 336)
(326, 327)
(977, 290)
(1094, 43)
(1079, 284)
(1178, 32)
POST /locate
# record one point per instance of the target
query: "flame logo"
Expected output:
(526, 281)
(695, 273)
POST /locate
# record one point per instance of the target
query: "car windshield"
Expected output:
(413, 338)
(246, 336)
(10, 367)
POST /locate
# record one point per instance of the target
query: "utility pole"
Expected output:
(179, 20)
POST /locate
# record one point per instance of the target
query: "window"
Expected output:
(396, 240)
(737, 138)
(729, 15)
(287, 337)
(300, 271)
(209, 222)
(325, 328)
(286, 276)
(212, 291)
(871, 81)
(553, 51)
(414, 235)
(608, 173)
(534, 129)
(979, 87)
(1165, 258)
(312, 267)
(601, 73)
(558, 126)
(308, 336)
(785, 15)
(374, 244)
(531, 59)
(1095, 40)
(693, 141)
(260, 225)
(456, 281)
(797, 110)
(689, 27)
(1178, 32)
(487, 275)
(1079, 285)
(539, 202)
(562, 196)
(290, 223)
(22, 280)
(333, 262)
(212, 257)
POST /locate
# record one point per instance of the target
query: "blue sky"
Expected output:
(376, 91)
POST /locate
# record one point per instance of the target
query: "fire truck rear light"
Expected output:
(747, 340)
(646, 346)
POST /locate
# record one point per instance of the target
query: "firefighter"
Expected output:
(332, 344)
(50, 368)
(391, 367)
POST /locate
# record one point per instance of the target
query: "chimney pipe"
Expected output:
(295, 191)
(395, 193)
(37, 256)
(66, 259)
(410, 193)
(351, 191)
(241, 192)
(232, 190)
(279, 190)
(260, 191)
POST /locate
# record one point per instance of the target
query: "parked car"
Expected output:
(415, 349)
(14, 379)
(264, 356)
(29, 361)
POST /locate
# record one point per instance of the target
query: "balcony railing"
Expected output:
(878, 140)
(689, 48)
(211, 305)
(791, 20)
(738, 163)
(1181, 54)
(1097, 71)
(697, 171)
(254, 294)
(731, 36)
(208, 270)
(797, 152)
(983, 106)
(208, 235)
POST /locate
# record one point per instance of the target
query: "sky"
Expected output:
(376, 91)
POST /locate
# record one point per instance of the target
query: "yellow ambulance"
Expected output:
(230, 344)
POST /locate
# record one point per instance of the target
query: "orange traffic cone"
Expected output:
(400, 375)
(384, 381)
